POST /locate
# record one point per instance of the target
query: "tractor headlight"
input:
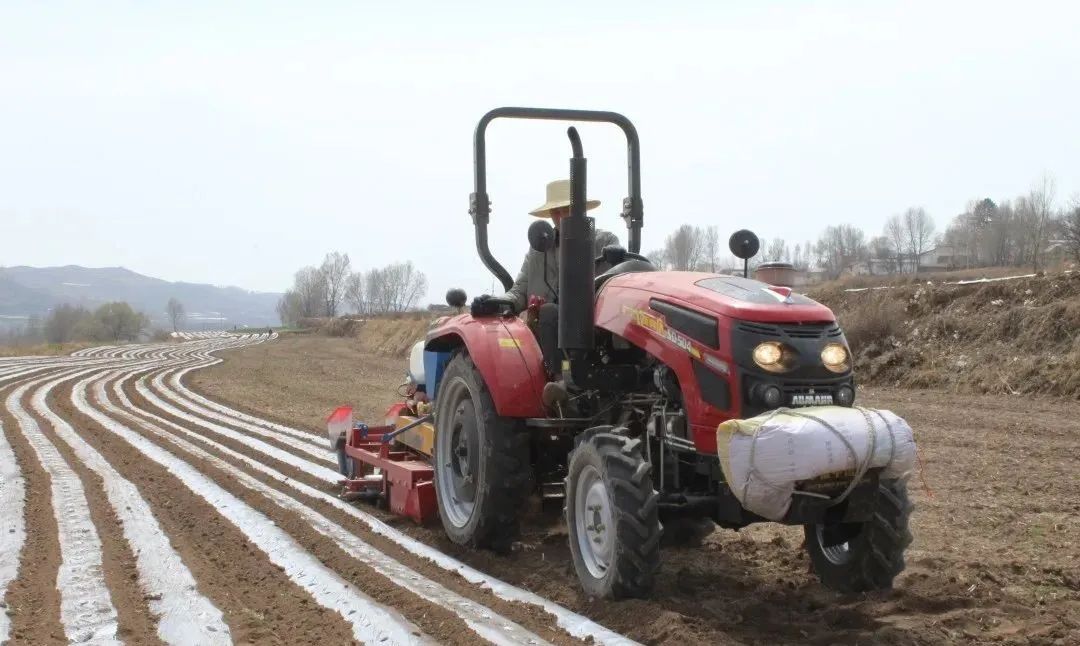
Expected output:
(770, 356)
(835, 357)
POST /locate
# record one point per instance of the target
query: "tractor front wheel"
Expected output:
(859, 557)
(612, 516)
(482, 471)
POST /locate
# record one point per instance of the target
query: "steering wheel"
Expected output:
(629, 255)
(612, 255)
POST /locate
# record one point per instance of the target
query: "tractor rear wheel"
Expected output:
(859, 557)
(482, 471)
(612, 516)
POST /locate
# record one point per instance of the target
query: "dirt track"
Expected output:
(132, 510)
(996, 556)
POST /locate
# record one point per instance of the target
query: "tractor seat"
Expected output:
(631, 266)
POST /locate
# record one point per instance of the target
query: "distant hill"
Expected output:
(34, 291)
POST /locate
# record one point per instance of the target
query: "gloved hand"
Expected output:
(485, 305)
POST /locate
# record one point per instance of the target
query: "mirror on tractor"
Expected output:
(744, 244)
(541, 235)
(456, 297)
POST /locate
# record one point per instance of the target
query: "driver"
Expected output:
(539, 275)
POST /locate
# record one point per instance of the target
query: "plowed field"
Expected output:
(996, 557)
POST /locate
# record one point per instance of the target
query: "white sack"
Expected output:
(764, 457)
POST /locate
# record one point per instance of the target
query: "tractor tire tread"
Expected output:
(509, 472)
(877, 555)
(636, 514)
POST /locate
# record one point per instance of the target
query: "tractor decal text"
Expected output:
(656, 325)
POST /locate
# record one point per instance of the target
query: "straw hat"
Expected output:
(558, 196)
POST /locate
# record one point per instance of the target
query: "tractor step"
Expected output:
(550, 490)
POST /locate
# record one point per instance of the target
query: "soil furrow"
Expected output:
(316, 515)
(259, 537)
(142, 407)
(134, 619)
(32, 602)
(259, 602)
(308, 448)
(157, 396)
(87, 611)
(165, 599)
(434, 620)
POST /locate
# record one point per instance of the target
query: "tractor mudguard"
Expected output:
(506, 353)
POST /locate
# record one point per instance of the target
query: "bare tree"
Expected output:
(175, 310)
(289, 308)
(840, 247)
(1000, 237)
(379, 297)
(407, 284)
(1070, 224)
(356, 292)
(1036, 212)
(894, 232)
(919, 233)
(775, 251)
(881, 251)
(683, 249)
(830, 251)
(800, 257)
(310, 287)
(710, 250)
(335, 271)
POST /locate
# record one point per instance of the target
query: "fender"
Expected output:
(505, 352)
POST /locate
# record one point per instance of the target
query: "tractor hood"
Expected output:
(732, 296)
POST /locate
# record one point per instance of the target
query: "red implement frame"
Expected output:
(406, 482)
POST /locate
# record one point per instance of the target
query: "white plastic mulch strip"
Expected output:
(306, 442)
(323, 473)
(990, 280)
(371, 621)
(973, 281)
(484, 621)
(184, 616)
(237, 416)
(12, 524)
(86, 610)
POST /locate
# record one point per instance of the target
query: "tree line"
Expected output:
(333, 288)
(1020, 232)
(110, 322)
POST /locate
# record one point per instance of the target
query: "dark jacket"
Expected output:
(530, 280)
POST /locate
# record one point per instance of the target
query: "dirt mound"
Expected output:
(390, 336)
(1005, 336)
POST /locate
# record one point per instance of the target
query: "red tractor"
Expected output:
(610, 399)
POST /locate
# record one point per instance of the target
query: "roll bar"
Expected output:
(480, 205)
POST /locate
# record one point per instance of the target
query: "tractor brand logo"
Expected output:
(509, 342)
(812, 399)
(657, 325)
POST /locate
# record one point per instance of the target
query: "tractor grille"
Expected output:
(806, 331)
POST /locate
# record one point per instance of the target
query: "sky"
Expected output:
(233, 143)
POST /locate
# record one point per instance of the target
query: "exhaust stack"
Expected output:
(576, 263)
